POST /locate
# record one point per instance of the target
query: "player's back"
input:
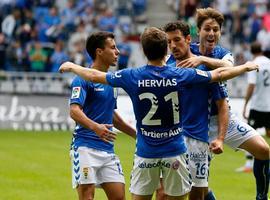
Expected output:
(156, 96)
(260, 98)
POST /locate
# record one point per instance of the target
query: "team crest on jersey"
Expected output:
(201, 72)
(85, 172)
(75, 92)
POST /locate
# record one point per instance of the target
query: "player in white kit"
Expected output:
(258, 94)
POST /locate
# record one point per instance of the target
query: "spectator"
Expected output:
(58, 56)
(3, 45)
(69, 16)
(125, 51)
(38, 58)
(107, 21)
(10, 22)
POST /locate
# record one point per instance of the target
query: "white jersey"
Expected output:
(260, 100)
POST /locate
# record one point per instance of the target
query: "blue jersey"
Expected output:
(98, 102)
(196, 112)
(156, 95)
(218, 53)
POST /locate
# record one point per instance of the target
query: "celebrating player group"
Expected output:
(177, 128)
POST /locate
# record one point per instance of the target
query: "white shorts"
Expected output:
(91, 166)
(238, 131)
(145, 175)
(199, 161)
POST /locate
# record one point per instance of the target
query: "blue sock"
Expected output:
(261, 173)
(210, 196)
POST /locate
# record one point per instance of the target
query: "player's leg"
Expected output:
(114, 191)
(141, 197)
(199, 161)
(86, 191)
(160, 195)
(176, 177)
(145, 177)
(209, 195)
(241, 135)
(83, 174)
(111, 178)
(258, 147)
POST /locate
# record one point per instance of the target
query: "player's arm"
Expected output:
(121, 125)
(249, 93)
(86, 73)
(212, 63)
(216, 146)
(102, 130)
(225, 73)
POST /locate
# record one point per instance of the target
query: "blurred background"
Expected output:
(37, 36)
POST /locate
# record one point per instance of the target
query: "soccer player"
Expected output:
(155, 90)
(92, 107)
(196, 113)
(258, 92)
(240, 135)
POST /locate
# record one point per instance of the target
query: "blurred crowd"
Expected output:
(38, 35)
(245, 21)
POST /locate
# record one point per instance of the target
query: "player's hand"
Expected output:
(65, 67)
(104, 132)
(251, 66)
(191, 62)
(216, 146)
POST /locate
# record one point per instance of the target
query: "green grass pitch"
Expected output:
(36, 166)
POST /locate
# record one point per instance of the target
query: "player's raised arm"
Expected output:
(209, 62)
(225, 73)
(86, 73)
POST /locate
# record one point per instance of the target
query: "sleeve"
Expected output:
(217, 92)
(229, 57)
(78, 91)
(119, 78)
(192, 75)
(252, 77)
(225, 54)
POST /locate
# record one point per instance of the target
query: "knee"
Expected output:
(119, 197)
(263, 152)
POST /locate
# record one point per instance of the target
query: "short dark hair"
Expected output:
(256, 48)
(208, 13)
(154, 43)
(97, 40)
(177, 25)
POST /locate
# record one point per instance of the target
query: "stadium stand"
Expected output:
(61, 28)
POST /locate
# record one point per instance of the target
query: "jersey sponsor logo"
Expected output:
(98, 89)
(200, 156)
(165, 134)
(157, 83)
(201, 72)
(75, 92)
(154, 164)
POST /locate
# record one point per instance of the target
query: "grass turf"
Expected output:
(36, 166)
